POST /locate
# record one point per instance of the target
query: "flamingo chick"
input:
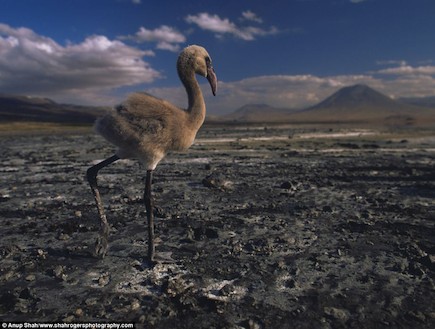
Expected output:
(147, 128)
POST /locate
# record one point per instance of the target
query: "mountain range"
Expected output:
(256, 113)
(420, 101)
(15, 108)
(352, 104)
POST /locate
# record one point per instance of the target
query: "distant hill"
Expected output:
(355, 104)
(257, 113)
(355, 98)
(428, 102)
(23, 108)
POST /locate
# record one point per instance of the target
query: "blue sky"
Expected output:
(286, 53)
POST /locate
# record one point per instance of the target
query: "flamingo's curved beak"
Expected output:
(212, 79)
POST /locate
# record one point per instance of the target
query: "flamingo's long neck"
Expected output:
(196, 107)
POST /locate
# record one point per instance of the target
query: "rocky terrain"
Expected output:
(257, 227)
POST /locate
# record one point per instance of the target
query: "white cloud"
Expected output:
(136, 2)
(392, 62)
(168, 46)
(212, 23)
(222, 26)
(425, 62)
(250, 16)
(166, 37)
(408, 81)
(357, 1)
(37, 65)
(409, 70)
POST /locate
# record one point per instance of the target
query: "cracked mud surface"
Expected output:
(284, 227)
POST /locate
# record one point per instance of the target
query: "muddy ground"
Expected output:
(277, 227)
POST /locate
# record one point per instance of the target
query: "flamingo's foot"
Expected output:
(101, 246)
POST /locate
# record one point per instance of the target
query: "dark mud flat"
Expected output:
(262, 228)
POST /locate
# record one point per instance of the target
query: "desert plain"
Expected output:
(276, 226)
